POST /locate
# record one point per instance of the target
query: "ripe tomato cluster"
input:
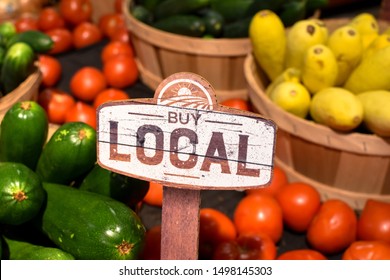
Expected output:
(70, 25)
(255, 228)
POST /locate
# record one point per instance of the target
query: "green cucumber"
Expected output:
(150, 4)
(188, 25)
(233, 10)
(69, 153)
(18, 64)
(21, 250)
(7, 31)
(214, 22)
(126, 189)
(142, 14)
(170, 8)
(292, 11)
(237, 29)
(37, 40)
(24, 130)
(91, 226)
(21, 193)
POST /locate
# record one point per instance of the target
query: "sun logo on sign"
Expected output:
(185, 93)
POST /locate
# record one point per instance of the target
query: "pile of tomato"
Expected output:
(260, 218)
(69, 23)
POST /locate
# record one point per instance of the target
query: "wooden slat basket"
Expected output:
(353, 167)
(27, 90)
(160, 54)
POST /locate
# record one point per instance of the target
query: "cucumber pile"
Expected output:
(217, 18)
(55, 201)
(18, 54)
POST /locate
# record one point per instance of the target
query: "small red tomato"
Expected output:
(51, 70)
(121, 34)
(82, 112)
(278, 181)
(152, 248)
(237, 103)
(301, 254)
(259, 214)
(367, 250)
(299, 202)
(109, 23)
(247, 246)
(26, 22)
(62, 39)
(75, 11)
(87, 82)
(56, 103)
(214, 227)
(154, 196)
(121, 71)
(115, 48)
(109, 94)
(374, 221)
(86, 34)
(50, 18)
(333, 228)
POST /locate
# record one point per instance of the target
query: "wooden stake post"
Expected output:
(185, 141)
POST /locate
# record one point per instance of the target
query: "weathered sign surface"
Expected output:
(183, 138)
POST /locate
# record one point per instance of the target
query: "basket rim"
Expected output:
(355, 142)
(187, 44)
(33, 80)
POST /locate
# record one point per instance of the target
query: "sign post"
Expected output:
(185, 141)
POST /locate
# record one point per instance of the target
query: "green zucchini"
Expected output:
(24, 131)
(126, 189)
(170, 8)
(188, 25)
(22, 250)
(18, 64)
(237, 29)
(21, 193)
(69, 153)
(37, 40)
(233, 10)
(91, 226)
(213, 21)
(149, 4)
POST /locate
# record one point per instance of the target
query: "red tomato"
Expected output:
(374, 221)
(82, 112)
(367, 250)
(62, 38)
(56, 103)
(154, 196)
(75, 11)
(152, 244)
(115, 48)
(259, 214)
(109, 23)
(87, 82)
(121, 71)
(333, 228)
(86, 34)
(237, 103)
(50, 18)
(51, 70)
(247, 246)
(214, 227)
(109, 94)
(26, 22)
(279, 179)
(299, 202)
(122, 35)
(301, 254)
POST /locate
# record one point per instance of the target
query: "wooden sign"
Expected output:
(185, 141)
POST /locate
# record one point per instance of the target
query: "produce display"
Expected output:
(216, 18)
(336, 75)
(56, 202)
